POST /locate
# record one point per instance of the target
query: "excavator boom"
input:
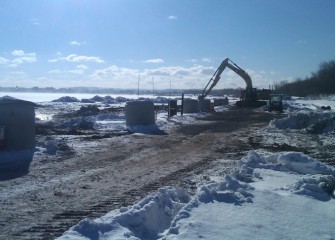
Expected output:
(249, 96)
(217, 75)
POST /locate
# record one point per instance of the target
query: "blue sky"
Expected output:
(110, 43)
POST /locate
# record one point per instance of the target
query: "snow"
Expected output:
(288, 195)
(312, 121)
(303, 114)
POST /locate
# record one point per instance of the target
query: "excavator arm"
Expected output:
(217, 75)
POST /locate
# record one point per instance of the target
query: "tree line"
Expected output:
(320, 83)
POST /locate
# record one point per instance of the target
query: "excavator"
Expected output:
(250, 97)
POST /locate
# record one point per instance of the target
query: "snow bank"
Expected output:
(303, 164)
(313, 121)
(108, 99)
(144, 220)
(67, 99)
(287, 195)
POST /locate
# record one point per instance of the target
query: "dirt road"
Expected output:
(99, 175)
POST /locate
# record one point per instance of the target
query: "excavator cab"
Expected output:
(248, 94)
(248, 98)
(276, 103)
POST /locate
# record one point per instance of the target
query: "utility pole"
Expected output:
(170, 88)
(138, 86)
(153, 87)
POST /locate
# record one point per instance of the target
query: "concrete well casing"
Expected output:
(17, 118)
(140, 113)
(191, 106)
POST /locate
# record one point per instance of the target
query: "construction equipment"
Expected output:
(276, 103)
(249, 96)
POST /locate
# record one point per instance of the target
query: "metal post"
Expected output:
(182, 104)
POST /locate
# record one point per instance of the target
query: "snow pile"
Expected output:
(66, 99)
(310, 103)
(320, 187)
(303, 164)
(313, 121)
(70, 113)
(108, 99)
(287, 195)
(144, 220)
(6, 97)
(229, 190)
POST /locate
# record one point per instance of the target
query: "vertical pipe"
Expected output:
(182, 104)
(153, 87)
(138, 86)
(170, 88)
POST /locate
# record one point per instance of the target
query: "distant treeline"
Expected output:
(320, 83)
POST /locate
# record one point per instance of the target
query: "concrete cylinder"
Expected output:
(17, 118)
(191, 106)
(140, 113)
(2, 137)
(172, 108)
(205, 105)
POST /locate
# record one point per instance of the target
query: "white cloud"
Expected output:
(178, 71)
(194, 60)
(81, 66)
(18, 52)
(192, 77)
(76, 43)
(115, 71)
(79, 69)
(22, 57)
(171, 17)
(22, 53)
(35, 21)
(53, 60)
(206, 59)
(76, 58)
(3, 60)
(157, 60)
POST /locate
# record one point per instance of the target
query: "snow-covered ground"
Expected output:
(288, 195)
(303, 113)
(283, 196)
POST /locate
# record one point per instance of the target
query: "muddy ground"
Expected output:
(93, 174)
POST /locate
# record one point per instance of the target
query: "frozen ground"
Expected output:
(88, 164)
